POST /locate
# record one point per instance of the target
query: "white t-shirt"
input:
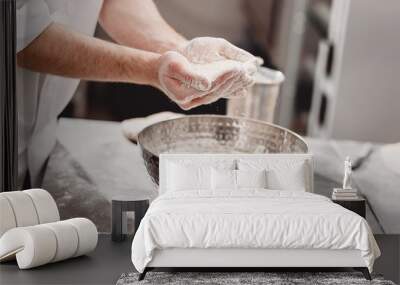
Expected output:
(42, 97)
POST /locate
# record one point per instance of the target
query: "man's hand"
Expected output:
(207, 49)
(189, 86)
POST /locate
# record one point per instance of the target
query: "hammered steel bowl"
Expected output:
(214, 134)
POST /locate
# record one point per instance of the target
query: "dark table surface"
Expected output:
(103, 266)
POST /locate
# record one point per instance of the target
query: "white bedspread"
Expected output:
(250, 219)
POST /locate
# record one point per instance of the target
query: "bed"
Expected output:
(242, 211)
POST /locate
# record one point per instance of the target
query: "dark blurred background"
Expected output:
(337, 57)
(256, 26)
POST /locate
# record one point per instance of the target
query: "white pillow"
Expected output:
(251, 179)
(282, 173)
(183, 177)
(223, 179)
(293, 179)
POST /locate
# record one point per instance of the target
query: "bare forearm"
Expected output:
(137, 23)
(60, 51)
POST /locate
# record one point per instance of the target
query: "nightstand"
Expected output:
(357, 206)
(120, 206)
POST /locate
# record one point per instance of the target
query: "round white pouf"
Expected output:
(23, 208)
(40, 244)
(7, 219)
(67, 240)
(45, 205)
(33, 246)
(87, 233)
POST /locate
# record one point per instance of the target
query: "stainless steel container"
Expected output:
(215, 134)
(261, 99)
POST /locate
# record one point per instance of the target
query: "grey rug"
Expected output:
(268, 278)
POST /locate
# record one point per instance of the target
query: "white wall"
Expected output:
(368, 92)
(221, 18)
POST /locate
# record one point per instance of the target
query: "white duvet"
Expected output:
(250, 219)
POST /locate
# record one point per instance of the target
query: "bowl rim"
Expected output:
(140, 135)
(278, 76)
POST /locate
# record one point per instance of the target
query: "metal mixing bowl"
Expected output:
(215, 134)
